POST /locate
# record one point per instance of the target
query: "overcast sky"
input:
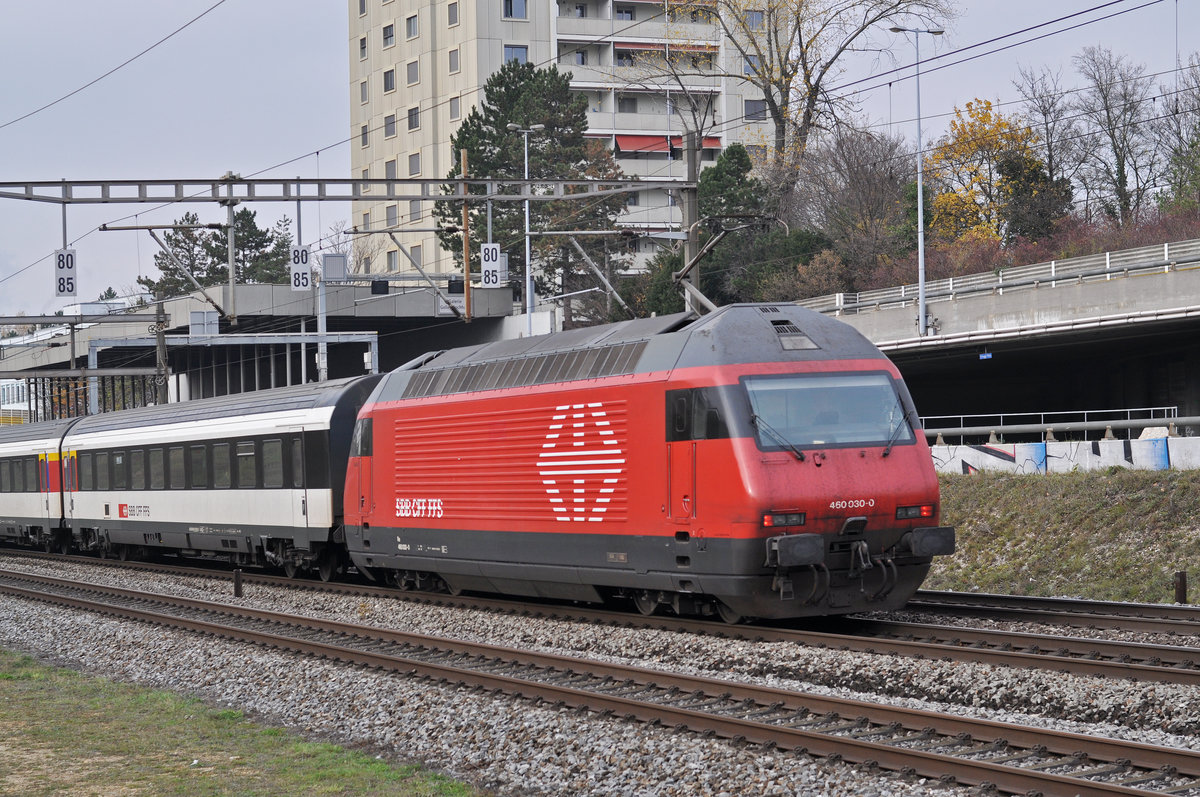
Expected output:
(253, 84)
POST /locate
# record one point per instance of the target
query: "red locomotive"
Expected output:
(760, 461)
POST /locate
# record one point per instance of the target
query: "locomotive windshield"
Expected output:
(827, 409)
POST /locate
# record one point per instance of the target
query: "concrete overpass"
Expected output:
(1113, 330)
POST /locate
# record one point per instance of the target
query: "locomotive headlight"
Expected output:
(913, 512)
(773, 520)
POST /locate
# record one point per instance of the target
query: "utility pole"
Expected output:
(229, 203)
(466, 236)
(691, 214)
(160, 348)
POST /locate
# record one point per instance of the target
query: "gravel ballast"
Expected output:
(515, 747)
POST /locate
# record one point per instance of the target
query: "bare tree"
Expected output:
(1049, 113)
(1115, 107)
(852, 186)
(793, 48)
(1177, 133)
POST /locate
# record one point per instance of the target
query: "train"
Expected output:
(760, 461)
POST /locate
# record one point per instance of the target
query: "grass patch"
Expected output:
(1108, 535)
(63, 732)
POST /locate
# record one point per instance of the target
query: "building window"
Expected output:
(391, 216)
(754, 20)
(632, 200)
(624, 13)
(366, 221)
(414, 210)
(414, 118)
(415, 253)
(389, 81)
(366, 175)
(365, 134)
(393, 261)
(362, 48)
(362, 91)
(414, 164)
(410, 27)
(750, 65)
(514, 9)
(624, 58)
(362, 7)
(627, 104)
(452, 14)
(453, 61)
(516, 52)
(455, 108)
(755, 110)
(389, 125)
(413, 72)
(580, 57)
(389, 35)
(389, 170)
(581, 10)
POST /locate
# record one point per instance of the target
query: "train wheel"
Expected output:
(727, 614)
(327, 565)
(290, 568)
(121, 552)
(645, 602)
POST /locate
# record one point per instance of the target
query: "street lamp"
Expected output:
(921, 327)
(525, 131)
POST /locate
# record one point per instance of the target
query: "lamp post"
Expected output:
(525, 131)
(921, 322)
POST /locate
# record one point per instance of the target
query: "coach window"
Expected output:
(175, 467)
(86, 478)
(5, 477)
(120, 470)
(297, 463)
(220, 454)
(103, 479)
(198, 457)
(137, 469)
(158, 469)
(272, 463)
(18, 473)
(245, 464)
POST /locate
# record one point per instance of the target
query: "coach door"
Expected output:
(301, 511)
(360, 496)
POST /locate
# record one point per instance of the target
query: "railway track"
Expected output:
(1010, 757)
(1150, 617)
(1178, 664)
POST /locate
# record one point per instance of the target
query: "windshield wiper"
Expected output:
(899, 428)
(757, 421)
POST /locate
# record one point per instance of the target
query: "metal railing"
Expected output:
(1068, 424)
(1090, 268)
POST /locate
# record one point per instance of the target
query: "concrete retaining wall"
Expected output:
(1181, 453)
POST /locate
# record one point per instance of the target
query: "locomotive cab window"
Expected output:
(360, 443)
(827, 409)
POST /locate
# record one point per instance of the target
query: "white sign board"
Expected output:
(334, 266)
(301, 270)
(457, 300)
(64, 272)
(493, 266)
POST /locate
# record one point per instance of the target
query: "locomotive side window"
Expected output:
(158, 469)
(246, 464)
(272, 463)
(697, 414)
(175, 467)
(360, 443)
(220, 460)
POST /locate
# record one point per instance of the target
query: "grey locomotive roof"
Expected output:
(731, 335)
(296, 397)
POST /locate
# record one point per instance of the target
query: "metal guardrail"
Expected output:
(997, 420)
(1050, 432)
(1103, 266)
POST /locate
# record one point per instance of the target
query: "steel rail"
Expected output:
(1163, 611)
(1075, 655)
(1156, 762)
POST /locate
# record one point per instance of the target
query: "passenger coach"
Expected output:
(255, 478)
